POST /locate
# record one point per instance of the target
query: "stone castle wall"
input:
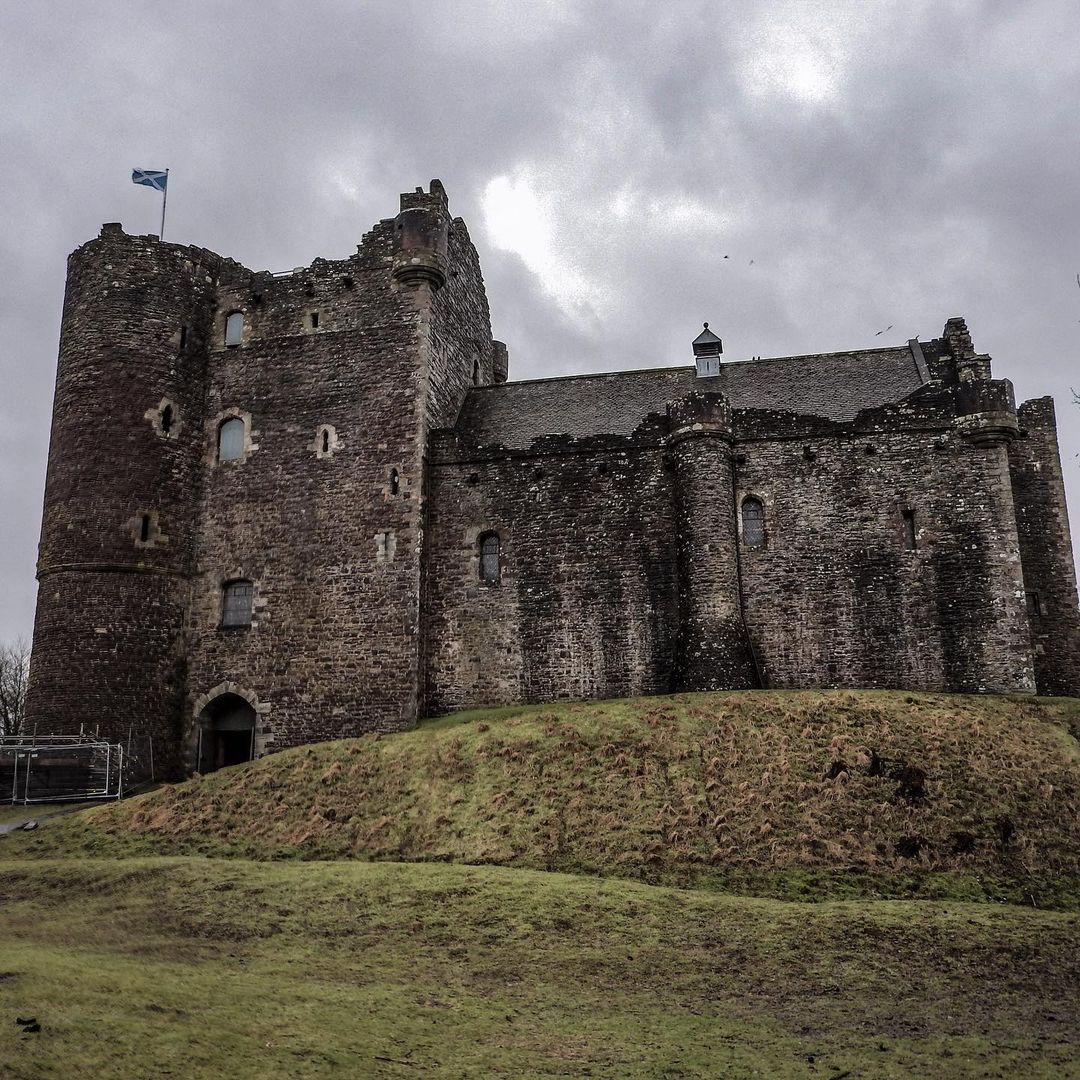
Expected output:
(838, 597)
(587, 600)
(923, 544)
(331, 549)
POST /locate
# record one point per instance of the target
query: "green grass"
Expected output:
(299, 916)
(196, 968)
(784, 794)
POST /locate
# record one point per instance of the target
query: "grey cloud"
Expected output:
(939, 179)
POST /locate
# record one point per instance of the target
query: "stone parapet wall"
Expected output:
(587, 601)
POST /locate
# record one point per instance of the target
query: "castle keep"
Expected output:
(284, 508)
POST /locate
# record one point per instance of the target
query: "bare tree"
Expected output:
(14, 672)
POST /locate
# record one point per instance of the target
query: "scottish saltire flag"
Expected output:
(155, 178)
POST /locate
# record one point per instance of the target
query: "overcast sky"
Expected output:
(861, 164)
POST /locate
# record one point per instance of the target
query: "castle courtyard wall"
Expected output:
(838, 597)
(587, 601)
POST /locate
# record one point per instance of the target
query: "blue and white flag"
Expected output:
(155, 178)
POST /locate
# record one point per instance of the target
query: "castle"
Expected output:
(289, 507)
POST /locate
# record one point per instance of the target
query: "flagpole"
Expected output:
(164, 199)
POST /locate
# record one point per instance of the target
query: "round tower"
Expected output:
(714, 651)
(421, 232)
(121, 490)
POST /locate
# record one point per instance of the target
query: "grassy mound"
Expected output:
(709, 788)
(198, 968)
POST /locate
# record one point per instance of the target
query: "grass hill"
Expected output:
(139, 955)
(769, 792)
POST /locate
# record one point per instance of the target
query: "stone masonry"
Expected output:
(286, 508)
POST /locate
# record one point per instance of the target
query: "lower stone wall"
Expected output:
(108, 657)
(328, 655)
(587, 601)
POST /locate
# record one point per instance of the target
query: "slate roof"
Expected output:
(833, 385)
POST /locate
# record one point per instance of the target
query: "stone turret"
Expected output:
(420, 237)
(713, 651)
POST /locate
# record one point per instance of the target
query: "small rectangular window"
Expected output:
(489, 558)
(314, 320)
(910, 539)
(236, 604)
(1034, 604)
(234, 329)
(753, 523)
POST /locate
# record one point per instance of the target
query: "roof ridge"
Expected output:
(585, 375)
(817, 356)
(690, 367)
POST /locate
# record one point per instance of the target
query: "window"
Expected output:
(236, 603)
(395, 482)
(183, 338)
(326, 441)
(166, 419)
(234, 328)
(144, 529)
(753, 523)
(489, 558)
(314, 320)
(476, 372)
(1034, 604)
(910, 539)
(231, 440)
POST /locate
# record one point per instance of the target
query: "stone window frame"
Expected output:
(250, 446)
(766, 524)
(333, 442)
(385, 546)
(397, 472)
(909, 527)
(156, 414)
(146, 522)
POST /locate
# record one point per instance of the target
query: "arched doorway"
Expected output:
(226, 733)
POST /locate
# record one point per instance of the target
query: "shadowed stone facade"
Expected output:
(269, 496)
